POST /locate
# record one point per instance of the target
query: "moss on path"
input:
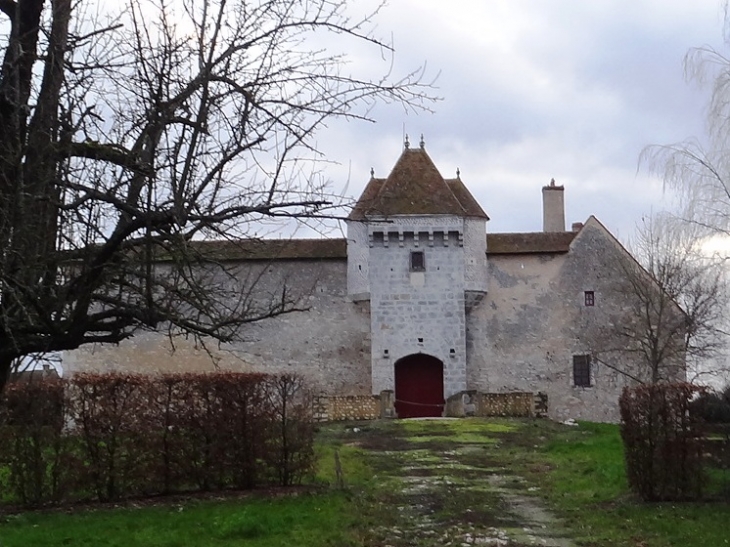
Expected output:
(450, 483)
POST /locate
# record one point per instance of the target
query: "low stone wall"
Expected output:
(348, 407)
(513, 405)
(465, 403)
(504, 404)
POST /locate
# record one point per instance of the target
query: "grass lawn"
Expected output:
(582, 473)
(301, 520)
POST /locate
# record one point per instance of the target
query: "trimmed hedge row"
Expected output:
(662, 441)
(111, 436)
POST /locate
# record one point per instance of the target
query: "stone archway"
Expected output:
(419, 386)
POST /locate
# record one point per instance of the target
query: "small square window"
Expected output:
(418, 261)
(582, 370)
(590, 298)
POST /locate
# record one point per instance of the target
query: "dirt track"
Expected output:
(450, 483)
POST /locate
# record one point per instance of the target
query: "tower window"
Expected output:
(418, 261)
(590, 298)
(582, 370)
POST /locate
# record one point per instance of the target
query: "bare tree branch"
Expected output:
(674, 298)
(125, 139)
(8, 7)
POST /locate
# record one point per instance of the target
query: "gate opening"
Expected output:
(419, 386)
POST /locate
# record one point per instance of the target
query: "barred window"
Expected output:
(582, 370)
(590, 298)
(418, 261)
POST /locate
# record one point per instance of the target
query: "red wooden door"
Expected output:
(419, 386)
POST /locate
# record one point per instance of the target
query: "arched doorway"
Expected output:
(419, 386)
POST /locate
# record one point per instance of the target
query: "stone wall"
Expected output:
(505, 404)
(467, 403)
(513, 405)
(418, 311)
(520, 337)
(329, 344)
(348, 407)
(524, 335)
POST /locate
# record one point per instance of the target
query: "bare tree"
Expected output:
(126, 138)
(670, 300)
(699, 168)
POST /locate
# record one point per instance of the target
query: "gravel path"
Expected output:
(436, 488)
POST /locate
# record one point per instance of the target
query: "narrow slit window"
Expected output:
(590, 298)
(582, 370)
(418, 261)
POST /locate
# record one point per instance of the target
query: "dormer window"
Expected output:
(418, 261)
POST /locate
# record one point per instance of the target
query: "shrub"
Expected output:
(292, 454)
(111, 436)
(31, 444)
(662, 441)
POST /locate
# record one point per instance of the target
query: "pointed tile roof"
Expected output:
(415, 187)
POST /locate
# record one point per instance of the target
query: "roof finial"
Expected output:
(458, 172)
(407, 144)
(422, 144)
(372, 173)
(552, 182)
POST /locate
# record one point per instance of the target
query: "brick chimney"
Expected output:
(553, 208)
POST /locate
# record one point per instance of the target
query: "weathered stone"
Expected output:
(503, 313)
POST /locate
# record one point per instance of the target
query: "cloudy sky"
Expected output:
(534, 90)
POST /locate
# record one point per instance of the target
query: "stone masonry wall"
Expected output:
(521, 337)
(328, 345)
(418, 312)
(348, 407)
(513, 404)
(358, 273)
(372, 407)
(475, 255)
(535, 320)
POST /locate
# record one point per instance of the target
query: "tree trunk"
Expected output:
(6, 364)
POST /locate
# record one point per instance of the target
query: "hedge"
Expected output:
(662, 441)
(112, 436)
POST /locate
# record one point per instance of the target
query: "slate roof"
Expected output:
(323, 249)
(415, 187)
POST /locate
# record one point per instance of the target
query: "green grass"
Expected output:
(341, 438)
(304, 520)
(586, 484)
(458, 430)
(587, 463)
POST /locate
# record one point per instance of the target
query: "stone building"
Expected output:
(422, 301)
